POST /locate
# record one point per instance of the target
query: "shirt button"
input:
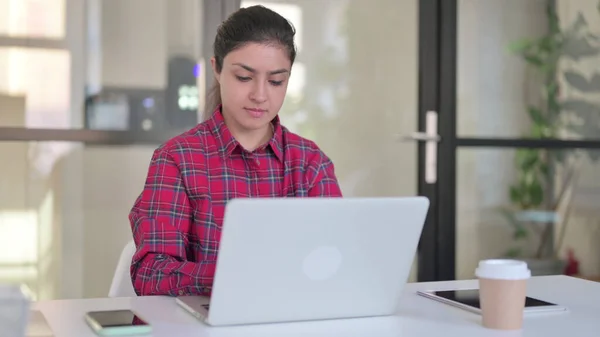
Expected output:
(257, 162)
(181, 292)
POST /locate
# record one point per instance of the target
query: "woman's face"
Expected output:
(253, 83)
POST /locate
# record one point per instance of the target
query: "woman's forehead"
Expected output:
(259, 58)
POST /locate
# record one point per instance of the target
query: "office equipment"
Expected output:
(127, 109)
(182, 93)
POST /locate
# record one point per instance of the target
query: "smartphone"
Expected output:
(117, 323)
(468, 299)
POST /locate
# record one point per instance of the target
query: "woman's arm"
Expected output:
(160, 221)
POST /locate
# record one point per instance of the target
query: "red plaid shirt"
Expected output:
(176, 221)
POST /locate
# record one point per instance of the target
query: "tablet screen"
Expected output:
(470, 297)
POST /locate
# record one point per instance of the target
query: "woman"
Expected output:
(240, 151)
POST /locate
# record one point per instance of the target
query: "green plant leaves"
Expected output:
(528, 192)
(579, 115)
(540, 131)
(527, 159)
(536, 115)
(520, 46)
(515, 194)
(520, 232)
(536, 193)
(514, 252)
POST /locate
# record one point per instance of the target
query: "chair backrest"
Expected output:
(121, 284)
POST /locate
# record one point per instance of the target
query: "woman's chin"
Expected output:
(256, 123)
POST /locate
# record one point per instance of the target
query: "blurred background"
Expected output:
(89, 88)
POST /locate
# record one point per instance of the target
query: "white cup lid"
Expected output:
(502, 269)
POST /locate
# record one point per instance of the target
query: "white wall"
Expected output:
(134, 53)
(134, 43)
(30, 243)
(80, 196)
(134, 47)
(113, 178)
(131, 51)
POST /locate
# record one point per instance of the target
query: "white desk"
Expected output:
(417, 316)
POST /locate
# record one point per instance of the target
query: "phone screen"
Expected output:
(116, 318)
(470, 297)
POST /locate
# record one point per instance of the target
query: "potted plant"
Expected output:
(538, 197)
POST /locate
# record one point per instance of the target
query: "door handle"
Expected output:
(431, 139)
(421, 136)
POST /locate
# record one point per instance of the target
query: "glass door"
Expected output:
(521, 150)
(354, 90)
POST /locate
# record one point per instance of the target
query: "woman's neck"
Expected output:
(252, 139)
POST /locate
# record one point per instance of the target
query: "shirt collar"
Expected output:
(227, 143)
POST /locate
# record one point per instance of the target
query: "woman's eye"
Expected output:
(276, 83)
(243, 79)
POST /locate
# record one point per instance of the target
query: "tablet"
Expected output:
(468, 299)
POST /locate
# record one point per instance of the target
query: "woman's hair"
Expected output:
(251, 24)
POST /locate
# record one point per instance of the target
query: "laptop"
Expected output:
(299, 259)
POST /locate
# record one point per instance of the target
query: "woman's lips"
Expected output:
(256, 113)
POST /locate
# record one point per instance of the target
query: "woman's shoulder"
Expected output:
(296, 145)
(193, 141)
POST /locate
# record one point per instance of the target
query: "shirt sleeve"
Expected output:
(160, 221)
(325, 183)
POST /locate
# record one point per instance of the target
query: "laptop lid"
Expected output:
(294, 259)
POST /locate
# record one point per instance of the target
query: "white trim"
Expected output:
(30, 42)
(71, 202)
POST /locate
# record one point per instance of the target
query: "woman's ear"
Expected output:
(213, 63)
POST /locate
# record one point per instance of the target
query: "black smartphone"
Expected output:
(117, 323)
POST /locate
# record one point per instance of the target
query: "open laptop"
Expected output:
(297, 259)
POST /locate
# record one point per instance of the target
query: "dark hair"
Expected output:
(251, 24)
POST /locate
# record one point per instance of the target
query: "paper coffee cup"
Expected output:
(502, 293)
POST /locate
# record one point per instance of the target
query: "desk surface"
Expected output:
(417, 315)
